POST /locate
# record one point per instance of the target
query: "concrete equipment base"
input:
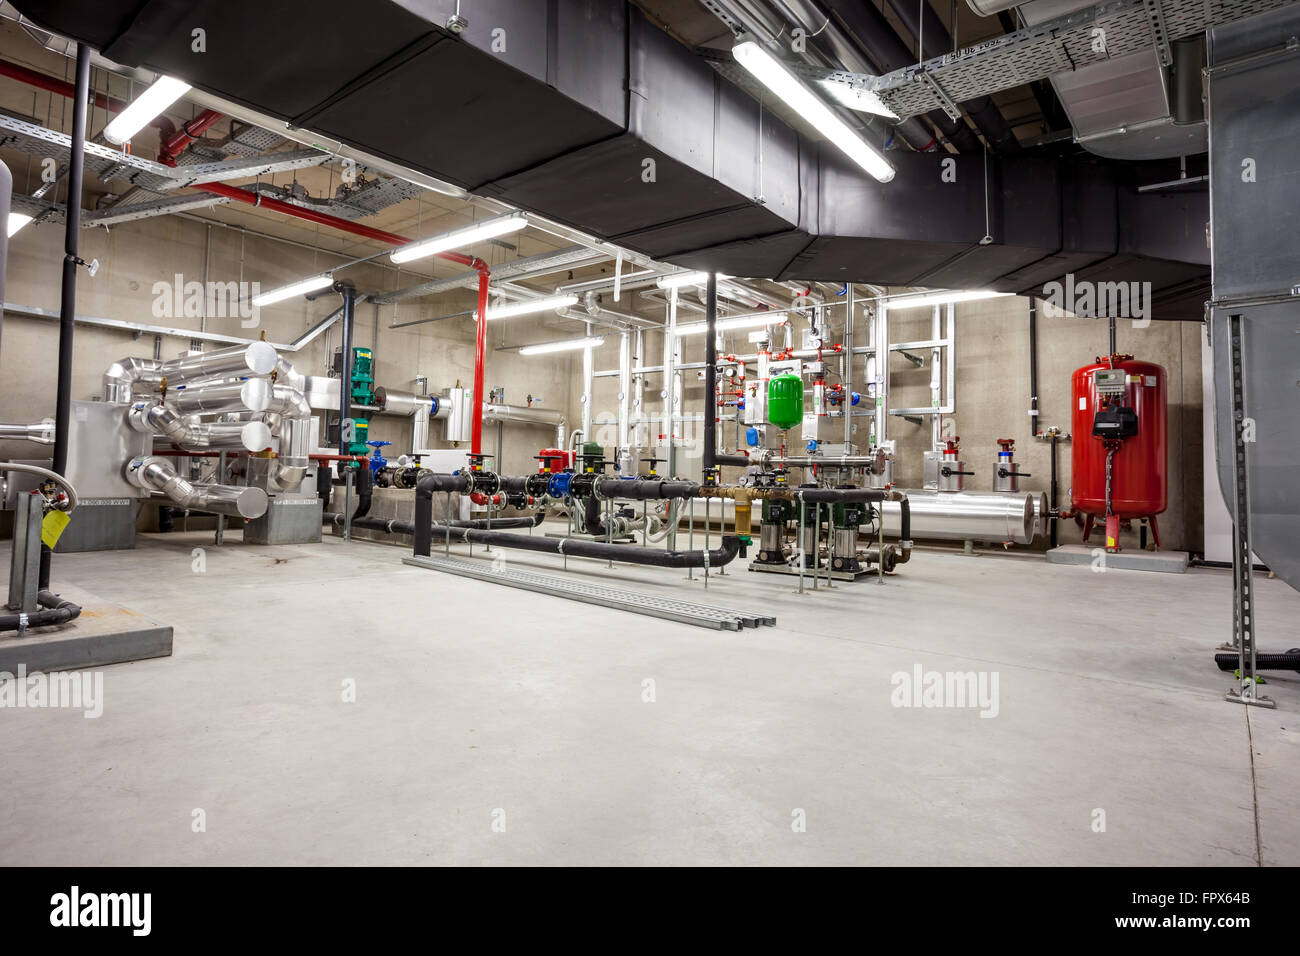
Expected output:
(1174, 562)
(290, 519)
(104, 633)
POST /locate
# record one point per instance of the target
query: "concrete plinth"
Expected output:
(104, 633)
(1174, 562)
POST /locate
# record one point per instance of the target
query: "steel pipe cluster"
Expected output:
(158, 474)
(258, 395)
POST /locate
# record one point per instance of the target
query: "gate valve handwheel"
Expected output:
(952, 448)
(1008, 444)
(654, 462)
(476, 461)
(545, 462)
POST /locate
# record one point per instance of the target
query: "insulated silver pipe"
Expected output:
(252, 395)
(40, 432)
(963, 516)
(256, 358)
(524, 415)
(166, 421)
(157, 474)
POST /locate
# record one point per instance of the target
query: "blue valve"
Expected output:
(751, 437)
(377, 461)
(812, 445)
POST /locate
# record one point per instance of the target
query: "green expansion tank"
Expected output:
(785, 401)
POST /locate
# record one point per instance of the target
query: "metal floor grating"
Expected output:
(636, 602)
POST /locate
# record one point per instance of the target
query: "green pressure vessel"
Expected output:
(785, 401)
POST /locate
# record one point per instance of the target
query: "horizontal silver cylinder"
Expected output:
(965, 516)
(40, 432)
(394, 401)
(251, 395)
(524, 415)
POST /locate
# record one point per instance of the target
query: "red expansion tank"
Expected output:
(1139, 473)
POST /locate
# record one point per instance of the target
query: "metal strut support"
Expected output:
(1243, 613)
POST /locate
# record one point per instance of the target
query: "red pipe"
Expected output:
(52, 84)
(474, 262)
(172, 146)
(480, 357)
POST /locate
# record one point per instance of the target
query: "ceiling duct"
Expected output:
(595, 118)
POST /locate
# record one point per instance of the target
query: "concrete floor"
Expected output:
(473, 699)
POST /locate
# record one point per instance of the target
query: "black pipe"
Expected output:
(593, 522)
(424, 490)
(349, 293)
(1033, 364)
(647, 489)
(841, 495)
(54, 610)
(711, 457)
(68, 297)
(627, 553)
(6, 194)
(324, 484)
(1288, 661)
(394, 526)
(364, 487)
(1052, 504)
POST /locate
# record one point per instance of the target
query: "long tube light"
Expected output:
(289, 291)
(733, 324)
(773, 74)
(163, 92)
(16, 221)
(944, 298)
(455, 238)
(678, 280)
(564, 346)
(530, 306)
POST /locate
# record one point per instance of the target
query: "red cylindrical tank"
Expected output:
(1139, 473)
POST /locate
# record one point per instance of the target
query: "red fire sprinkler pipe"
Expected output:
(175, 144)
(345, 225)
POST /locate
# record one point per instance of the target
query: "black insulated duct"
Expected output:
(596, 118)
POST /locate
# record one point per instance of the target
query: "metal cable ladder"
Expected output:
(670, 609)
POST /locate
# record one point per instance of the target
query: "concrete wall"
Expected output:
(134, 256)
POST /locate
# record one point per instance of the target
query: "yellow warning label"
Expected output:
(1110, 542)
(52, 526)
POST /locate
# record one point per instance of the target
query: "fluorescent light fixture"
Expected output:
(289, 291)
(773, 74)
(943, 298)
(679, 280)
(457, 238)
(566, 346)
(16, 221)
(733, 324)
(530, 306)
(161, 94)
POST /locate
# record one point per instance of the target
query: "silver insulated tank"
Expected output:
(966, 516)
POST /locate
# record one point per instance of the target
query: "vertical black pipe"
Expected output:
(1113, 348)
(1033, 366)
(1052, 503)
(6, 192)
(68, 298)
(349, 294)
(710, 371)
